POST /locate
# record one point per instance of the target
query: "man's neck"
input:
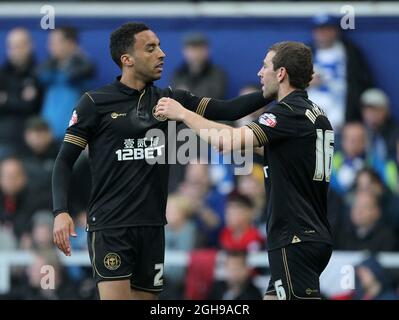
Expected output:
(284, 91)
(131, 81)
(20, 66)
(196, 68)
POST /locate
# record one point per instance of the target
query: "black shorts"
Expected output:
(296, 269)
(134, 253)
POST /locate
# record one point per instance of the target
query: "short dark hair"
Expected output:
(123, 38)
(36, 124)
(69, 33)
(374, 176)
(296, 58)
(241, 199)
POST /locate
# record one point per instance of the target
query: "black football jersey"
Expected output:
(299, 146)
(129, 188)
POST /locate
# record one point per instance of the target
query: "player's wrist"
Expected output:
(185, 115)
(60, 212)
(182, 115)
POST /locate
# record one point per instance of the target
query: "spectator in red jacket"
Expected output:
(240, 233)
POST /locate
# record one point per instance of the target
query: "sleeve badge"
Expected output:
(268, 119)
(74, 118)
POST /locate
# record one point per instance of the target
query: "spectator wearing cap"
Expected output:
(382, 130)
(65, 76)
(341, 72)
(20, 94)
(198, 74)
(373, 282)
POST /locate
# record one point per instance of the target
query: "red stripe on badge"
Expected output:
(268, 119)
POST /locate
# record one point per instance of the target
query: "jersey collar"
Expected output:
(294, 94)
(125, 89)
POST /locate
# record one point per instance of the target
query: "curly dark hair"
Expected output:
(123, 38)
(296, 58)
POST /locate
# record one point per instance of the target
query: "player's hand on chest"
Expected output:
(132, 118)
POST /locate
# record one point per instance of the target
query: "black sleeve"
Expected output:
(215, 109)
(83, 123)
(62, 175)
(81, 129)
(274, 125)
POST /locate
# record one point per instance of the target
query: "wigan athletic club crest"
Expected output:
(74, 118)
(268, 119)
(112, 261)
(159, 118)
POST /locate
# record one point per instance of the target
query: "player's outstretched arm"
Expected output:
(234, 109)
(223, 137)
(62, 173)
(215, 109)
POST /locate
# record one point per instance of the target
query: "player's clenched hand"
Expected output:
(171, 109)
(63, 228)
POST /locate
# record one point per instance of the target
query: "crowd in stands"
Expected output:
(209, 208)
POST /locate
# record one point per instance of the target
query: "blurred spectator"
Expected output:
(253, 186)
(353, 157)
(40, 152)
(382, 130)
(65, 76)
(42, 230)
(237, 284)
(40, 286)
(20, 95)
(180, 235)
(17, 201)
(202, 78)
(373, 282)
(341, 72)
(7, 238)
(240, 233)
(207, 204)
(366, 229)
(368, 180)
(179, 232)
(198, 74)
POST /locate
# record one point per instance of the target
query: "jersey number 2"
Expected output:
(324, 155)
